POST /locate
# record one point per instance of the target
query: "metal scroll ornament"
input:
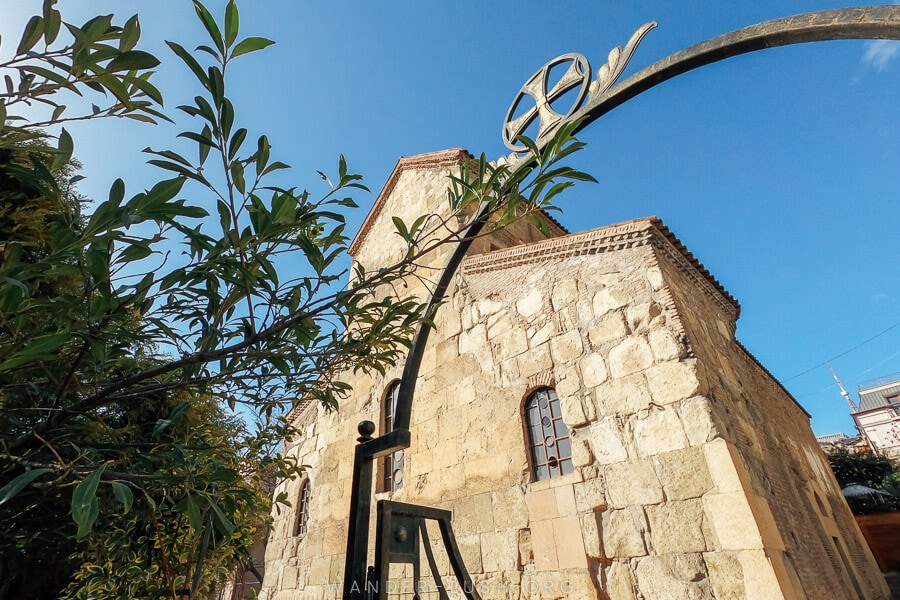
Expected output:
(539, 96)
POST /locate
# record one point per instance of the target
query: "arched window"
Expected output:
(392, 466)
(303, 509)
(548, 436)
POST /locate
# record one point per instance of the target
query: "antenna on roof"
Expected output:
(844, 392)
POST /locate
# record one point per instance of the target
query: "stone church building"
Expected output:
(586, 413)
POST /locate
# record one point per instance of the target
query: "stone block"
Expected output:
(542, 334)
(618, 581)
(677, 527)
(535, 360)
(531, 304)
(622, 396)
(631, 355)
(541, 505)
(320, 570)
(672, 381)
(684, 473)
(605, 438)
(639, 316)
(512, 343)
(760, 581)
(526, 548)
(593, 370)
(473, 340)
(570, 406)
(622, 535)
(658, 430)
(726, 575)
(565, 500)
(566, 347)
(610, 328)
(732, 521)
(589, 495)
(491, 551)
(673, 576)
(569, 544)
(487, 307)
(590, 532)
(632, 483)
(696, 417)
(510, 509)
(289, 577)
(665, 345)
(655, 277)
(609, 299)
(724, 464)
(447, 350)
(581, 449)
(543, 545)
(470, 550)
(564, 292)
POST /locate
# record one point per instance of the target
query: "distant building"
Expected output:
(836, 441)
(878, 417)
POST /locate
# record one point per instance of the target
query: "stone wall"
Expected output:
(696, 475)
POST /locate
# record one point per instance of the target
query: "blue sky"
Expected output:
(778, 169)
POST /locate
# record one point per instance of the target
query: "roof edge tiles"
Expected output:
(592, 241)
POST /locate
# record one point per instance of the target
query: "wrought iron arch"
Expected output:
(603, 95)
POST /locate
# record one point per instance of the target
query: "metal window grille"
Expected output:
(548, 436)
(303, 509)
(392, 467)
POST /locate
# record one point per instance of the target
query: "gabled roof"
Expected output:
(442, 159)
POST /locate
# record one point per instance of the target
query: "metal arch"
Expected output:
(872, 22)
(866, 22)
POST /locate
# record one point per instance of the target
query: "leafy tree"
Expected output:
(872, 471)
(126, 333)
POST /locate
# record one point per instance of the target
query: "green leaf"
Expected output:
(131, 33)
(232, 23)
(85, 507)
(133, 60)
(65, 147)
(210, 24)
(38, 348)
(251, 44)
(117, 192)
(237, 174)
(236, 140)
(191, 62)
(123, 494)
(193, 512)
(18, 484)
(222, 522)
(52, 21)
(34, 29)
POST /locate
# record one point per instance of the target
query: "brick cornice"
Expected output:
(639, 232)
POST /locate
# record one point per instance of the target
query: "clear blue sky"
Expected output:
(778, 169)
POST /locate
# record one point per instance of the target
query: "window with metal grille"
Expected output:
(392, 465)
(303, 509)
(548, 436)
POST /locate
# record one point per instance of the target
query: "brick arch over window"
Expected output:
(305, 496)
(391, 478)
(550, 451)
